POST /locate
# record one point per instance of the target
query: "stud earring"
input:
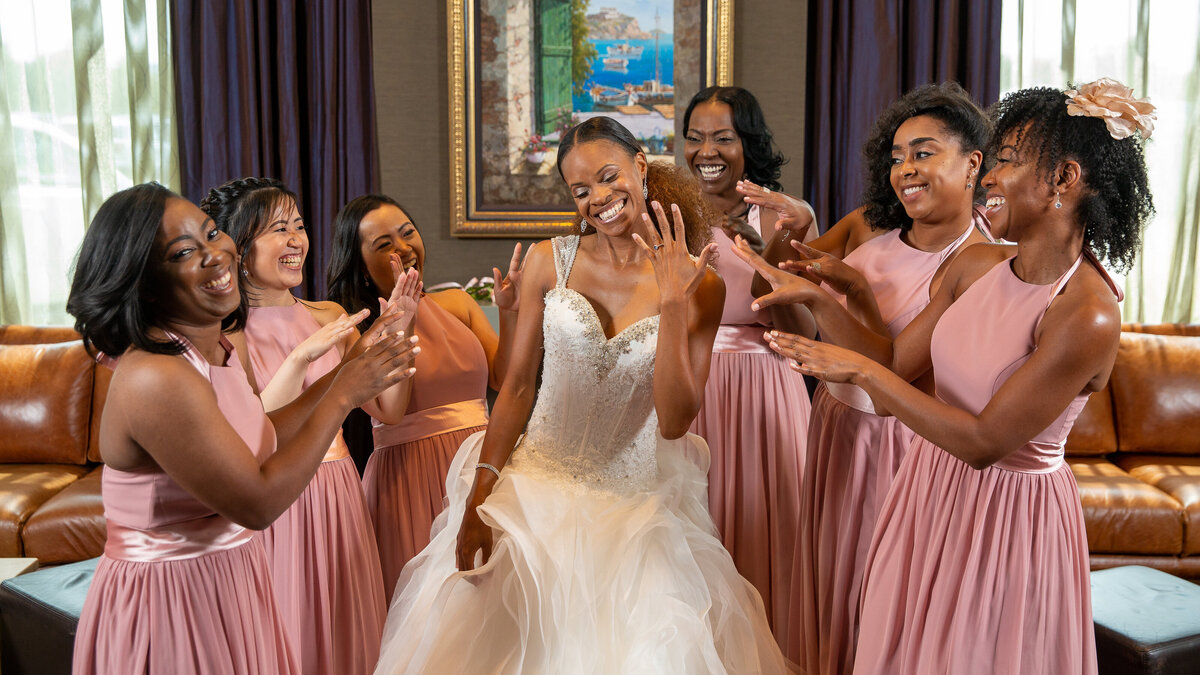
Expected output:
(1057, 201)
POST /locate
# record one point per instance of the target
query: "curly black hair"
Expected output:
(764, 161)
(945, 102)
(242, 208)
(1116, 201)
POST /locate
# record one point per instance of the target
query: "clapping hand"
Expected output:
(677, 273)
(331, 334)
(406, 291)
(785, 288)
(795, 215)
(506, 292)
(818, 266)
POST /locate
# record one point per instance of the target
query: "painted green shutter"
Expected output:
(553, 86)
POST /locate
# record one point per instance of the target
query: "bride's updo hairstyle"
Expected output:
(666, 183)
(949, 104)
(1116, 201)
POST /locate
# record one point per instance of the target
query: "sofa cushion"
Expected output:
(24, 488)
(1162, 328)
(45, 403)
(1178, 477)
(70, 525)
(35, 335)
(1156, 393)
(1123, 514)
(1094, 433)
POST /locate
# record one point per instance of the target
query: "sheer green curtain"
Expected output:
(1154, 47)
(86, 109)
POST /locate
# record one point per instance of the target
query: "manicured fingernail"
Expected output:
(416, 350)
(755, 307)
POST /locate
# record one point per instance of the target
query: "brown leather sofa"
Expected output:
(1135, 452)
(51, 394)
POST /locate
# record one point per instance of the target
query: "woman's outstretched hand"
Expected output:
(738, 226)
(818, 266)
(677, 274)
(785, 288)
(506, 292)
(386, 361)
(819, 359)
(795, 215)
(328, 336)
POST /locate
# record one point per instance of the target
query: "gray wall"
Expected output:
(411, 101)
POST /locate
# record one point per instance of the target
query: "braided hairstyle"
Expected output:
(1116, 200)
(666, 183)
(764, 161)
(947, 103)
(349, 284)
(243, 208)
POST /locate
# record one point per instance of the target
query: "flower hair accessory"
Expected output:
(1114, 103)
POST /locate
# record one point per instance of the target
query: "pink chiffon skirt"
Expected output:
(215, 613)
(977, 572)
(406, 489)
(755, 419)
(852, 458)
(325, 571)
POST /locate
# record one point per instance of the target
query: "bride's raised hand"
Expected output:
(795, 215)
(677, 273)
(506, 292)
(786, 288)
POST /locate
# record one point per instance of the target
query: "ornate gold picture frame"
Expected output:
(522, 71)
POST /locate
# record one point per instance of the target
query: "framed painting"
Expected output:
(524, 71)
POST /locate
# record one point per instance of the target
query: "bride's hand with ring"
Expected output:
(677, 273)
(819, 266)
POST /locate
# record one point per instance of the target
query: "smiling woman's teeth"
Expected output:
(993, 202)
(914, 190)
(611, 212)
(291, 260)
(220, 282)
(710, 171)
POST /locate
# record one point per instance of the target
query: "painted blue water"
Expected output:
(636, 72)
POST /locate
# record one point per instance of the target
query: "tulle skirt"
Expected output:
(977, 572)
(580, 581)
(755, 419)
(215, 613)
(406, 489)
(325, 571)
(852, 458)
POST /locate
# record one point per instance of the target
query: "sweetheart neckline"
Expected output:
(595, 316)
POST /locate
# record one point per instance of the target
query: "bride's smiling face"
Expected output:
(606, 183)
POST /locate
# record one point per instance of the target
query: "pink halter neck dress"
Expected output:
(755, 418)
(975, 571)
(179, 588)
(853, 454)
(324, 564)
(405, 478)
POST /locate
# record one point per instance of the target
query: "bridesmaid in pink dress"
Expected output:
(324, 562)
(896, 249)
(979, 562)
(406, 474)
(755, 410)
(193, 464)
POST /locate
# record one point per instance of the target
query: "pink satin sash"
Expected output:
(741, 339)
(337, 449)
(440, 419)
(177, 541)
(852, 395)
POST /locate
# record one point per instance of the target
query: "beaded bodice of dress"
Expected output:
(594, 422)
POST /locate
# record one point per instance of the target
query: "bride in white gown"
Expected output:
(590, 549)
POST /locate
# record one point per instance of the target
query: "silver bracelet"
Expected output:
(489, 467)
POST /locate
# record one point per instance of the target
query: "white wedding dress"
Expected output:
(604, 557)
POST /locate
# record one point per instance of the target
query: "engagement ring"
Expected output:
(657, 246)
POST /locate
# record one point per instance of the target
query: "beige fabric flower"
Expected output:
(1114, 103)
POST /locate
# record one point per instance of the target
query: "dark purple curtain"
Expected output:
(283, 89)
(863, 54)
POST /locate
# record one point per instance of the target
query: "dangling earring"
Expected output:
(645, 190)
(367, 281)
(583, 223)
(1057, 201)
(970, 185)
(971, 180)
(244, 272)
